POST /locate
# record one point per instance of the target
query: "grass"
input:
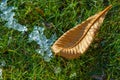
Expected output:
(22, 61)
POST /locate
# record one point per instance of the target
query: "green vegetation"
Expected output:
(24, 63)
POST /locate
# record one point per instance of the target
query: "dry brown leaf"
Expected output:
(76, 41)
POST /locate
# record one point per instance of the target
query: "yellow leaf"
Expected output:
(76, 41)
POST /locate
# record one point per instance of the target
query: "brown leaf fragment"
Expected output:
(76, 41)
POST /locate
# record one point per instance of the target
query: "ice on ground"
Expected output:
(8, 16)
(1, 74)
(73, 75)
(57, 70)
(2, 64)
(38, 35)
